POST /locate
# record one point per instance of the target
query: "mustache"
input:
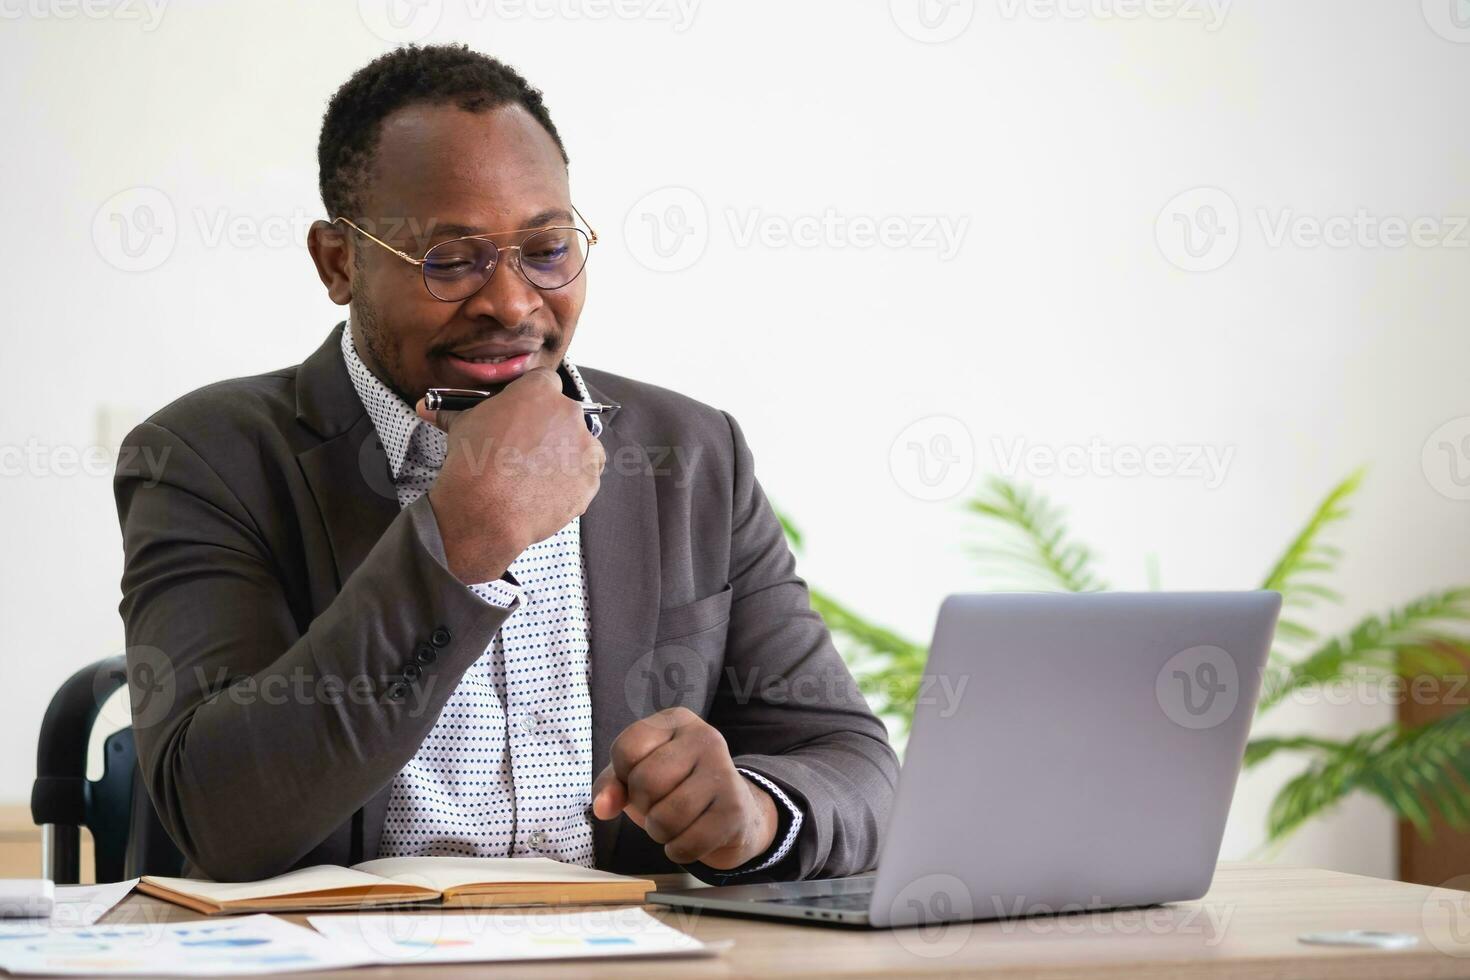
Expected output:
(551, 338)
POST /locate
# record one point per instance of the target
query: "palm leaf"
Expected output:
(888, 667)
(1258, 750)
(1037, 549)
(1420, 637)
(792, 532)
(1306, 557)
(1417, 772)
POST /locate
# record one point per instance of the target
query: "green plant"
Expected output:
(1416, 771)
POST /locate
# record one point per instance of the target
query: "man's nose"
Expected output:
(506, 295)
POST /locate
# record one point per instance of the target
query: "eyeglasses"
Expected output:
(548, 258)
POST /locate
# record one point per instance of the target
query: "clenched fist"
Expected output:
(520, 466)
(672, 774)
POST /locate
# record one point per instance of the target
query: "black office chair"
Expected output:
(129, 838)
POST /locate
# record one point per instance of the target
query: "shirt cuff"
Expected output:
(499, 593)
(783, 845)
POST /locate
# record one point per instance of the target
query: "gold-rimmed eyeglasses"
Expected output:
(454, 270)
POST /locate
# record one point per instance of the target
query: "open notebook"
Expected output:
(441, 882)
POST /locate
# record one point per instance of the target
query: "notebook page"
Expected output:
(318, 878)
(444, 873)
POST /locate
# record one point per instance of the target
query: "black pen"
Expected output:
(461, 399)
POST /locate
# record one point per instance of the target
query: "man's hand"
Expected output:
(672, 774)
(520, 466)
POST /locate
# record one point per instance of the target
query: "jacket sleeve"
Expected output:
(788, 706)
(256, 739)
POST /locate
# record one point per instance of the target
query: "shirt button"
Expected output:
(526, 723)
(538, 839)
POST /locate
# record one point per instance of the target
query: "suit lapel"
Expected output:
(621, 548)
(350, 479)
(348, 470)
(353, 487)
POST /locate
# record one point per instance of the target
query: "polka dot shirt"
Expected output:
(506, 770)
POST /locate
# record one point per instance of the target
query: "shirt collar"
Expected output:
(397, 423)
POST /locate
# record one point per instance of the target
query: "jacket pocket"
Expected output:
(694, 617)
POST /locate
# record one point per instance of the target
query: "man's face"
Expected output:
(440, 173)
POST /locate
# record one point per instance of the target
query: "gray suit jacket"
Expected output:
(275, 596)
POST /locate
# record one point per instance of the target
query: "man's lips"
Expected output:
(480, 366)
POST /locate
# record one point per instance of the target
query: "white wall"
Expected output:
(1055, 141)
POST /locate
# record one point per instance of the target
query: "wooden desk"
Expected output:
(1246, 927)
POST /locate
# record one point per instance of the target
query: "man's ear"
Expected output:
(332, 253)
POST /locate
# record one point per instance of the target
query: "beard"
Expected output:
(384, 349)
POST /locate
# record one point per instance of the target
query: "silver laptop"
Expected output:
(1068, 752)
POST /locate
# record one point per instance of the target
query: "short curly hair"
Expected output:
(434, 74)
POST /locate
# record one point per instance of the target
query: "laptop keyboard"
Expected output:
(852, 901)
